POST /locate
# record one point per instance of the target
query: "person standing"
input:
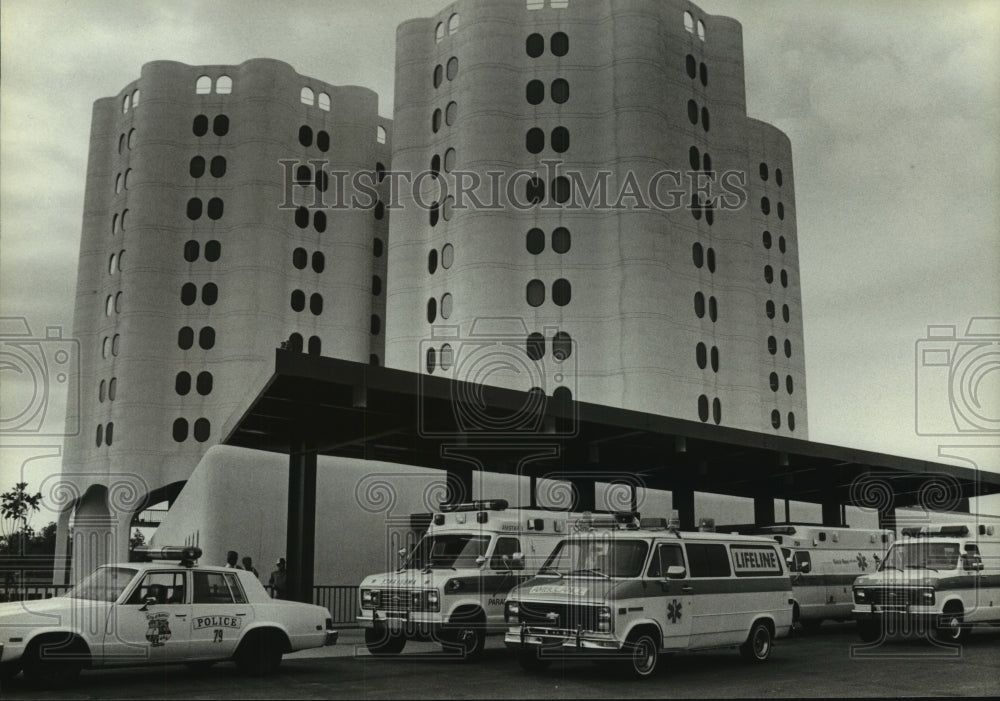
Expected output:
(279, 580)
(233, 560)
(248, 566)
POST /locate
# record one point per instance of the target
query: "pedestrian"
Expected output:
(233, 560)
(279, 580)
(248, 566)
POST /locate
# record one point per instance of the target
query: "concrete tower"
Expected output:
(202, 251)
(688, 307)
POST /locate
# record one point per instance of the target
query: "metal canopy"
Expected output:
(312, 406)
(342, 408)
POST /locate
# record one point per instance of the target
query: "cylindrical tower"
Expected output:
(208, 241)
(654, 268)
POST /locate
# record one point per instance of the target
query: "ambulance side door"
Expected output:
(219, 615)
(670, 600)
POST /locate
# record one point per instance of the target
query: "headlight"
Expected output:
(861, 596)
(511, 612)
(604, 619)
(433, 600)
(367, 599)
(927, 596)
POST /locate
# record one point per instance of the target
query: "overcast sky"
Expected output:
(893, 110)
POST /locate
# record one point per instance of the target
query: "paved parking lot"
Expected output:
(828, 663)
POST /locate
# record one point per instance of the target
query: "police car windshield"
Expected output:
(103, 584)
(448, 550)
(600, 556)
(922, 555)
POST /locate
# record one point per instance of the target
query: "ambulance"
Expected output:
(824, 562)
(451, 587)
(629, 589)
(935, 580)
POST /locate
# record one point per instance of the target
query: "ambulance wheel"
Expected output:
(9, 670)
(757, 647)
(381, 642)
(950, 629)
(531, 660)
(643, 654)
(869, 631)
(811, 625)
(470, 640)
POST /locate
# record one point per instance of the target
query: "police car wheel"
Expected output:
(530, 660)
(757, 647)
(643, 654)
(259, 654)
(381, 641)
(45, 670)
(869, 631)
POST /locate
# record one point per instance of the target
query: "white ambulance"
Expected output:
(630, 589)
(938, 580)
(451, 587)
(824, 562)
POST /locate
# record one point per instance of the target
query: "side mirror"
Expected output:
(805, 567)
(676, 572)
(480, 559)
(147, 602)
(791, 564)
(514, 562)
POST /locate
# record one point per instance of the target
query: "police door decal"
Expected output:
(158, 631)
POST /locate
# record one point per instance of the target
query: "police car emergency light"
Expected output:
(185, 555)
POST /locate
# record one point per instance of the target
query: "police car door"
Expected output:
(153, 624)
(219, 615)
(670, 601)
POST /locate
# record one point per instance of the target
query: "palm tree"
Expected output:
(17, 505)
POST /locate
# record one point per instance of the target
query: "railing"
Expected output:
(30, 592)
(341, 600)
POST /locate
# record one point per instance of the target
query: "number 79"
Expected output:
(218, 636)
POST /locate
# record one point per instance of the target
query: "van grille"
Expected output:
(558, 616)
(898, 596)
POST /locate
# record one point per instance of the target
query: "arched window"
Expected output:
(689, 22)
(315, 345)
(453, 23)
(324, 101)
(203, 86)
(307, 97)
(380, 135)
(224, 85)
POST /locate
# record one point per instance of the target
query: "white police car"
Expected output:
(157, 613)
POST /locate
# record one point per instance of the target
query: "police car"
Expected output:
(629, 589)
(159, 612)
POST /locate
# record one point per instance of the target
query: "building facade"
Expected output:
(687, 305)
(203, 249)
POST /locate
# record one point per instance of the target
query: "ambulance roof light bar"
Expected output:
(945, 531)
(481, 505)
(186, 555)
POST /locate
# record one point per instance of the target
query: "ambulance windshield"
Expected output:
(922, 555)
(598, 556)
(103, 584)
(452, 550)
